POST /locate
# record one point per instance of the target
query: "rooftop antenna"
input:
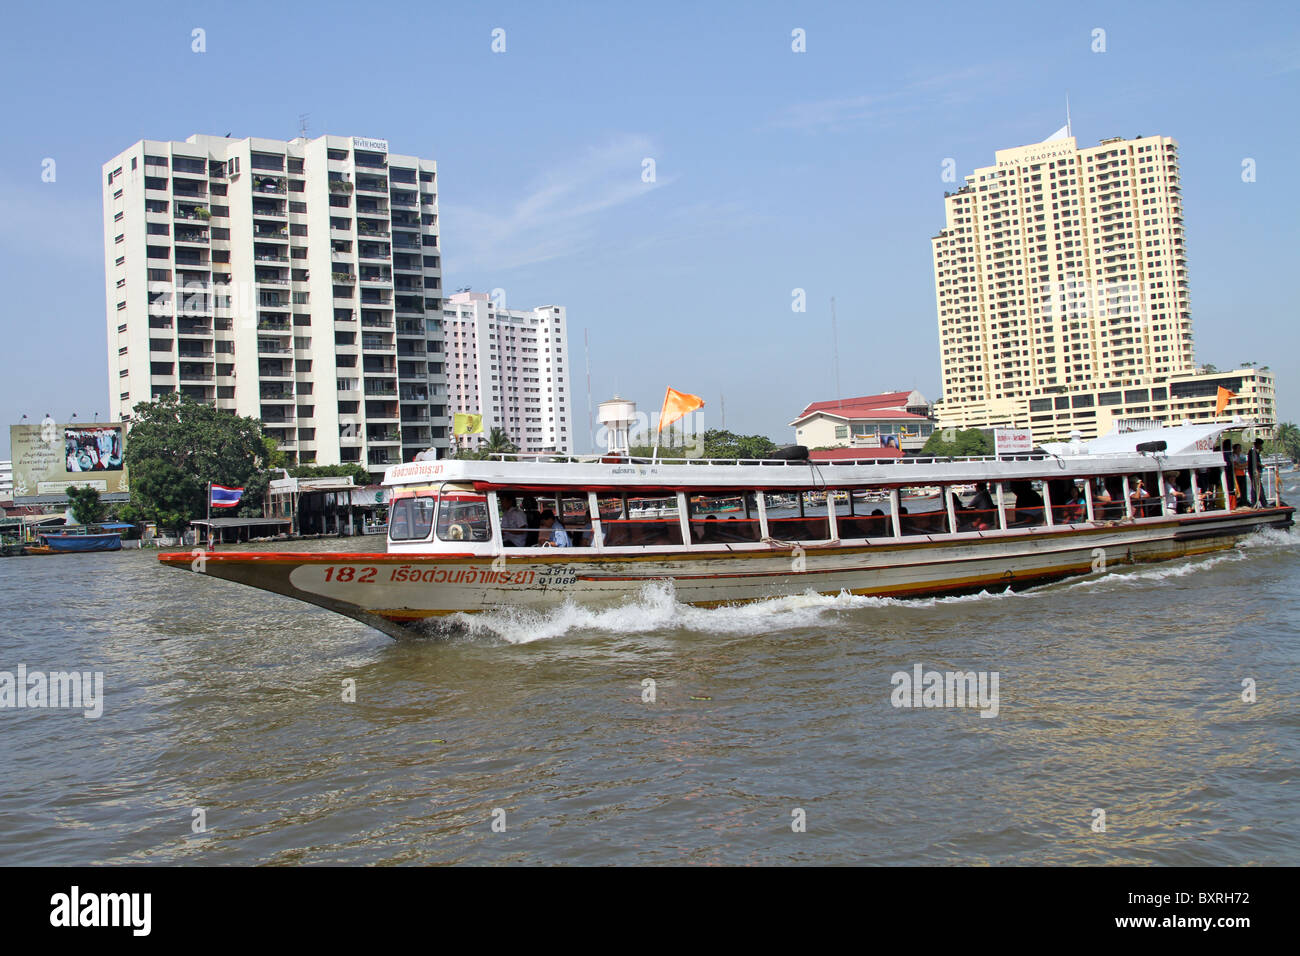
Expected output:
(723, 404)
(302, 124)
(835, 352)
(1069, 129)
(591, 425)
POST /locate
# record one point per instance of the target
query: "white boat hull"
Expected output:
(394, 591)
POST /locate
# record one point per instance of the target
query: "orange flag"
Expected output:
(1221, 402)
(677, 404)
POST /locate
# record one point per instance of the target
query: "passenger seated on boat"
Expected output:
(865, 526)
(1029, 505)
(982, 510)
(552, 532)
(705, 531)
(1068, 502)
(514, 523)
(534, 518)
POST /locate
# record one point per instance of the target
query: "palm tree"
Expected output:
(498, 443)
(1286, 441)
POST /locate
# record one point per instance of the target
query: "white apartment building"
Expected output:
(512, 367)
(6, 481)
(298, 282)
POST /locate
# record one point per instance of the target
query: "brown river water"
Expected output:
(772, 735)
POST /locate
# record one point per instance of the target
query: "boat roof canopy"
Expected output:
(1178, 439)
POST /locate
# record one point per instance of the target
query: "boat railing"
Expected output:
(551, 458)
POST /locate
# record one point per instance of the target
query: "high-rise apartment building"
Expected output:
(297, 282)
(512, 367)
(1062, 290)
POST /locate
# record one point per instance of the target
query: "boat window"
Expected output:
(722, 519)
(575, 514)
(862, 513)
(410, 519)
(463, 518)
(976, 507)
(1108, 498)
(1027, 504)
(632, 521)
(514, 516)
(1068, 503)
(1144, 490)
(922, 511)
(798, 517)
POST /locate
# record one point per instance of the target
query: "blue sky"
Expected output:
(774, 170)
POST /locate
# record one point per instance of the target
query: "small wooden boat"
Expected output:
(53, 543)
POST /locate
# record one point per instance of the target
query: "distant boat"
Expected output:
(63, 543)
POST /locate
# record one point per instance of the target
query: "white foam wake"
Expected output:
(655, 607)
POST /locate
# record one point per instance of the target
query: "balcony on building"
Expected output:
(373, 228)
(196, 372)
(273, 324)
(275, 392)
(194, 327)
(191, 211)
(270, 185)
(370, 183)
(410, 305)
(192, 236)
(189, 189)
(278, 210)
(270, 232)
(415, 435)
(268, 254)
(275, 370)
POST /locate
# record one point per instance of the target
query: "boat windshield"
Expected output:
(411, 519)
(464, 517)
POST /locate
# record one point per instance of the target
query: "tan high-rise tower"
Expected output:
(1062, 276)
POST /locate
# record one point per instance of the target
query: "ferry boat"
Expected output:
(1060, 511)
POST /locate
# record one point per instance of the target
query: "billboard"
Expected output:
(49, 458)
(1012, 441)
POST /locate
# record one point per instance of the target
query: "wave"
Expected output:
(655, 607)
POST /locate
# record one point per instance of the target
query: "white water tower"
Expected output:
(617, 415)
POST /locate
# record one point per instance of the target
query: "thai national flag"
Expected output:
(223, 497)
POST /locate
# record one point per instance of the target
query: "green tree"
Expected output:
(86, 506)
(1285, 441)
(498, 443)
(959, 443)
(719, 443)
(178, 445)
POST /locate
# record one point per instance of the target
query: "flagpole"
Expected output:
(209, 516)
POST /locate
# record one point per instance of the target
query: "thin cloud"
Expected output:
(559, 216)
(847, 111)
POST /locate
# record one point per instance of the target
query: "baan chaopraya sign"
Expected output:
(50, 458)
